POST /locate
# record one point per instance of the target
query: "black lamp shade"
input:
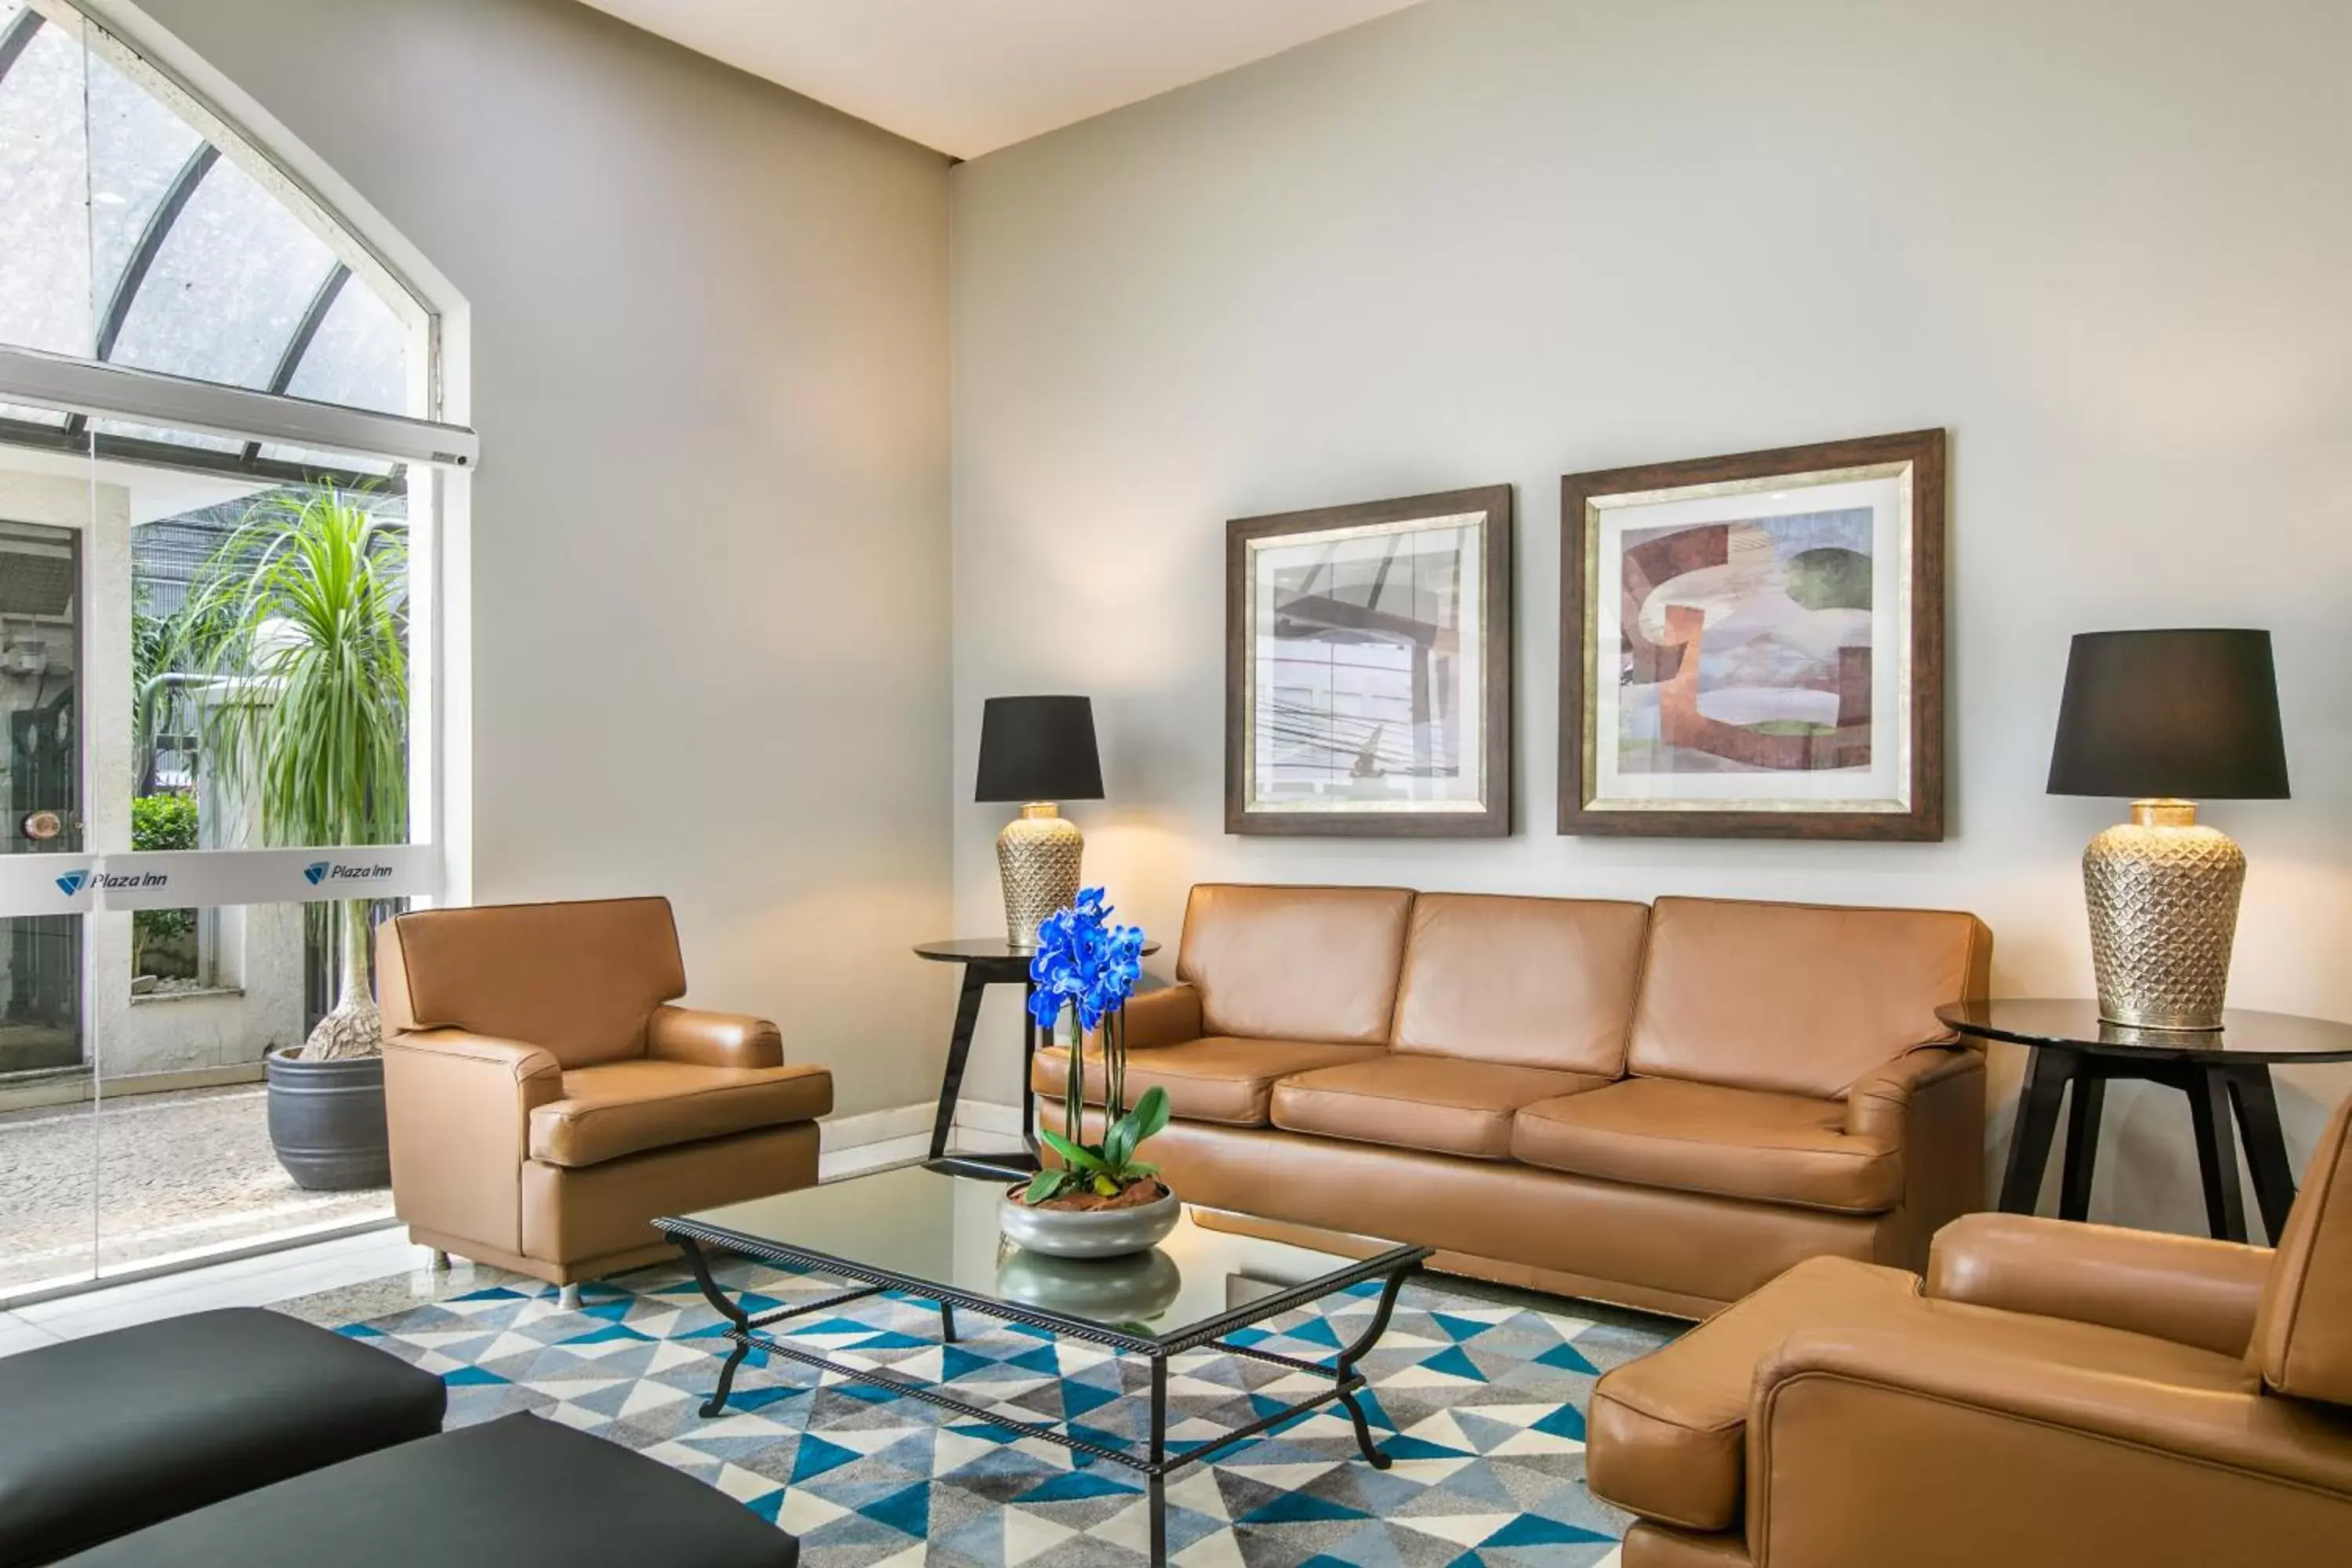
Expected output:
(1038, 748)
(2192, 714)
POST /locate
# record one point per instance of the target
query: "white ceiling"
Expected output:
(969, 75)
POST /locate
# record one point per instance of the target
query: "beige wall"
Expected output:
(709, 357)
(2106, 244)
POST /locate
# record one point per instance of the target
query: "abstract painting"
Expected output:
(1753, 646)
(1368, 669)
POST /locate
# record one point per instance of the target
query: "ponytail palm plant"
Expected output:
(299, 621)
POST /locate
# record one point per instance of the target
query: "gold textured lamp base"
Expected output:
(1037, 857)
(2163, 896)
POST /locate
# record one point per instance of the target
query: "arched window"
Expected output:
(203, 375)
(140, 231)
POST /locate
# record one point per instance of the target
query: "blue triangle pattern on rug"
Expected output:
(864, 1474)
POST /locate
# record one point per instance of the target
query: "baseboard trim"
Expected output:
(908, 1121)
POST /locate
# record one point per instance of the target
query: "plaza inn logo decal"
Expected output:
(318, 871)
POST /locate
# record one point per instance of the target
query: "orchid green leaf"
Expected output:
(1081, 1159)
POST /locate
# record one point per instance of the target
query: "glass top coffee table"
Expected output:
(934, 1235)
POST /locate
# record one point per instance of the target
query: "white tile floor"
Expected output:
(297, 1271)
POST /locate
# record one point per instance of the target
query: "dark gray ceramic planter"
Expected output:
(327, 1121)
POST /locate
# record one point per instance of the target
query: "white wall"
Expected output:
(2106, 244)
(709, 558)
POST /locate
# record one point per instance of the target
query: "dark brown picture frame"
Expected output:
(1924, 451)
(1494, 819)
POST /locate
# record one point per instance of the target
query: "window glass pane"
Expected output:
(183, 1172)
(136, 148)
(227, 288)
(48, 417)
(359, 357)
(45, 296)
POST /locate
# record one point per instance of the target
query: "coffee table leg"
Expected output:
(1345, 1367)
(2037, 1122)
(2266, 1157)
(727, 1309)
(1156, 1482)
(947, 1322)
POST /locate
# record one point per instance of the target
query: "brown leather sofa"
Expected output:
(1660, 1105)
(546, 1101)
(2052, 1394)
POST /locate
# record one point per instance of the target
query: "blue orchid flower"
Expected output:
(1084, 964)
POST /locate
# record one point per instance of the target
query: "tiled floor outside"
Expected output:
(139, 1178)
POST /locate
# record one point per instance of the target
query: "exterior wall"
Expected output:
(2104, 244)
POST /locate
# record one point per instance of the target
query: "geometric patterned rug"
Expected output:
(1481, 1405)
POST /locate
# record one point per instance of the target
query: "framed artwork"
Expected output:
(1752, 646)
(1368, 669)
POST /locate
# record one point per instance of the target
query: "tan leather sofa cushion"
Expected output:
(577, 980)
(1797, 998)
(2302, 1335)
(575, 1215)
(1220, 1078)
(1701, 1138)
(627, 1107)
(1540, 983)
(1295, 963)
(1665, 1437)
(1437, 1103)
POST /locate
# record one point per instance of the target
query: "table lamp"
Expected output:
(2162, 719)
(1038, 751)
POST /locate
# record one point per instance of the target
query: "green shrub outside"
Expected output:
(161, 822)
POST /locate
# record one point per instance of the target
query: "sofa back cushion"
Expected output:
(580, 981)
(1295, 963)
(1545, 983)
(1797, 998)
(2302, 1335)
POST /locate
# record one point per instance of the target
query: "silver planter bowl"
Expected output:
(1133, 1289)
(1088, 1233)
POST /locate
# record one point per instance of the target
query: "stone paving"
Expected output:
(147, 1177)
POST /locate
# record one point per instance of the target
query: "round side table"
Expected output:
(2218, 1069)
(987, 961)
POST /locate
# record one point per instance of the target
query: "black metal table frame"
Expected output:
(2215, 1089)
(979, 974)
(1155, 1463)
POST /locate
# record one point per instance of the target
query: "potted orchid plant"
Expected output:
(1101, 1200)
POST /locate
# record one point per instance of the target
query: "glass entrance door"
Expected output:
(40, 686)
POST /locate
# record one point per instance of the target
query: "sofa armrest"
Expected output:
(1958, 1427)
(2188, 1289)
(459, 1106)
(1880, 1100)
(1167, 1016)
(706, 1039)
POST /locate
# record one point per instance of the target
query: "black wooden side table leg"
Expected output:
(959, 1052)
(2217, 1153)
(2046, 1075)
(2266, 1157)
(1029, 1032)
(2082, 1109)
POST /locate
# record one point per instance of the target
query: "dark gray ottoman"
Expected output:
(517, 1492)
(103, 1436)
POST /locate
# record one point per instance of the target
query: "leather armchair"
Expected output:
(2051, 1393)
(548, 1099)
